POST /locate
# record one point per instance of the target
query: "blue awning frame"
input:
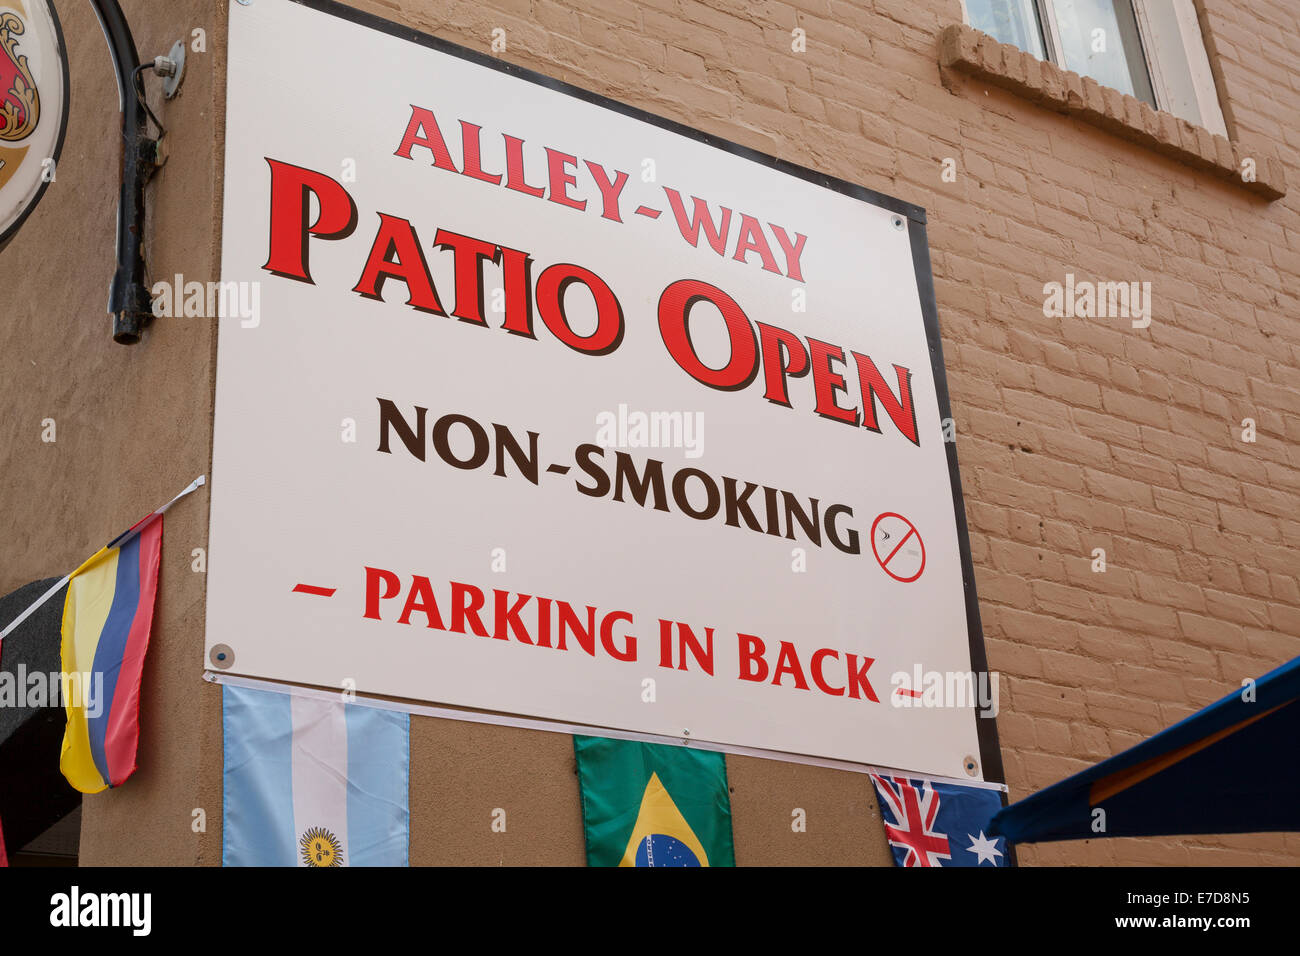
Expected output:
(1229, 768)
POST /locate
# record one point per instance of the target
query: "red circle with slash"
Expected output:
(903, 538)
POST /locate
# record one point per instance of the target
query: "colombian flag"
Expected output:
(653, 804)
(106, 621)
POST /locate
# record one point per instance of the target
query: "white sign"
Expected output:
(551, 408)
(33, 107)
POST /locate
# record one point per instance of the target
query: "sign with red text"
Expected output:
(540, 405)
(33, 107)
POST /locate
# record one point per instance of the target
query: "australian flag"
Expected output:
(939, 824)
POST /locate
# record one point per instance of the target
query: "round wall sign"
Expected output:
(33, 106)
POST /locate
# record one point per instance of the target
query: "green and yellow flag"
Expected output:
(653, 804)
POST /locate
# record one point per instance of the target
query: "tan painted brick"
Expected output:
(1111, 644)
(1041, 469)
(1150, 120)
(1009, 658)
(989, 53)
(1284, 587)
(1198, 481)
(1285, 618)
(1052, 735)
(1272, 645)
(1061, 535)
(1206, 150)
(1013, 69)
(1259, 526)
(1148, 682)
(1124, 491)
(1138, 554)
(1075, 98)
(1068, 602)
(1143, 617)
(1036, 629)
(1209, 632)
(1088, 513)
(1110, 429)
(1110, 105)
(1155, 471)
(1170, 592)
(1153, 527)
(1097, 107)
(1122, 711)
(1236, 607)
(1041, 698)
(1053, 83)
(1269, 501)
(956, 45)
(1184, 657)
(1136, 408)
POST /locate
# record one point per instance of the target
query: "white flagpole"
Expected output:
(192, 486)
(39, 601)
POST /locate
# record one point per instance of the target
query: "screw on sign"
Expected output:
(898, 547)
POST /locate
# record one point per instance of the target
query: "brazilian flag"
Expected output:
(653, 804)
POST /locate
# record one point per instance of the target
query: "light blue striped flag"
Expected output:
(310, 782)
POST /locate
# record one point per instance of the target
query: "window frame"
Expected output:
(1196, 57)
(1050, 26)
(1190, 41)
(1051, 31)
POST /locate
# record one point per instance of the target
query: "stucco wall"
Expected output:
(133, 424)
(1073, 434)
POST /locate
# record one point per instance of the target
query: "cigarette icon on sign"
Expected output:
(898, 547)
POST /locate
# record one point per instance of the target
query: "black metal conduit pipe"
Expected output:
(129, 302)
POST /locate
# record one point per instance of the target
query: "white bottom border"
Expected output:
(556, 727)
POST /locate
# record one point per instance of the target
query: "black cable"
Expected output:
(139, 91)
(129, 302)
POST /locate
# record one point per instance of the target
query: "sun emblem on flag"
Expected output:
(320, 847)
(20, 105)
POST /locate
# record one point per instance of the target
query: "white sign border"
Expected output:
(990, 770)
(559, 727)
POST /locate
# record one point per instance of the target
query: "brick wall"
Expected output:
(1073, 433)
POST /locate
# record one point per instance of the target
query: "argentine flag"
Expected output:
(310, 782)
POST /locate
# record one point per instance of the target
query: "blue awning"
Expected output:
(1230, 768)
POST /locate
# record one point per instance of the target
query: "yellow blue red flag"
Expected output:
(653, 804)
(107, 616)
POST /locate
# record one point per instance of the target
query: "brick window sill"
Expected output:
(977, 54)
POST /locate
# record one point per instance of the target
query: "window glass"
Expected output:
(1008, 21)
(1099, 38)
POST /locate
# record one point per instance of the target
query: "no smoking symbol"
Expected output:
(898, 547)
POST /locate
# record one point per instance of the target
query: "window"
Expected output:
(1150, 49)
(1008, 21)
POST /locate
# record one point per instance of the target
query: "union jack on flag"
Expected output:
(929, 823)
